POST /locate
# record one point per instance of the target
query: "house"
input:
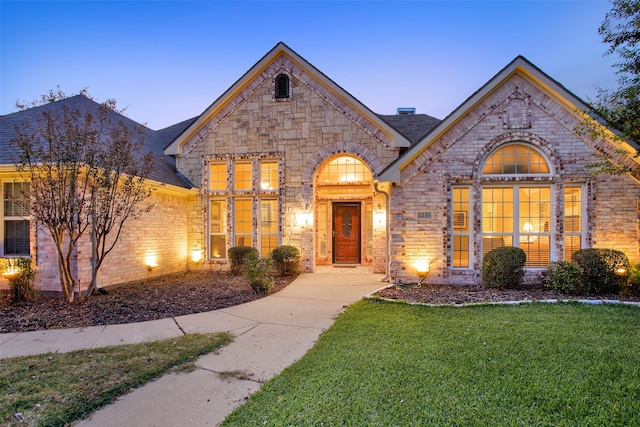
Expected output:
(287, 156)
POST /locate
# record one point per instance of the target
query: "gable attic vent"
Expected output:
(405, 111)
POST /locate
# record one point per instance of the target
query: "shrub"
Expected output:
(503, 268)
(257, 270)
(633, 285)
(286, 260)
(237, 256)
(603, 270)
(21, 282)
(563, 277)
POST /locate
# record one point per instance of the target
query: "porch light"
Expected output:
(151, 262)
(621, 271)
(196, 255)
(11, 271)
(422, 267)
(304, 218)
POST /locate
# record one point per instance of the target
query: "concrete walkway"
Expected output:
(270, 334)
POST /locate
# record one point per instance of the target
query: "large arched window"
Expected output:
(517, 159)
(513, 212)
(519, 213)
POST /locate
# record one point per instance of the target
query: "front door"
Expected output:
(346, 233)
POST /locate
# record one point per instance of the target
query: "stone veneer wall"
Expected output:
(457, 157)
(303, 130)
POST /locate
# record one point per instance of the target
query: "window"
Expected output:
(515, 159)
(247, 187)
(242, 224)
(268, 226)
(460, 223)
(217, 229)
(242, 176)
(282, 86)
(217, 177)
(572, 220)
(517, 214)
(345, 169)
(16, 218)
(323, 229)
(268, 175)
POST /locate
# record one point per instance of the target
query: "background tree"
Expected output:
(620, 108)
(87, 174)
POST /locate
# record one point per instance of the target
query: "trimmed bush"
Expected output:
(633, 285)
(21, 281)
(563, 277)
(503, 268)
(237, 256)
(257, 270)
(603, 270)
(286, 260)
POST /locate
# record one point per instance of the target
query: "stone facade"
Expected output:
(302, 132)
(405, 203)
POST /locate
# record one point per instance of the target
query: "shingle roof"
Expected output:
(163, 171)
(411, 126)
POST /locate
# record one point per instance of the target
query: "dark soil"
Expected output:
(168, 296)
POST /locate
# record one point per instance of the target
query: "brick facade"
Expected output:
(456, 158)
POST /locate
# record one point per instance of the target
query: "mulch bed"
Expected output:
(168, 296)
(441, 294)
(197, 292)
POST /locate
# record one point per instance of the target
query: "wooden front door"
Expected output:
(346, 233)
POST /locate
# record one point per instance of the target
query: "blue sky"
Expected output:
(167, 61)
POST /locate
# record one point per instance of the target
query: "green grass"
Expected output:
(385, 364)
(57, 388)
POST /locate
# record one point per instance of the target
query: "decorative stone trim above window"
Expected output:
(517, 111)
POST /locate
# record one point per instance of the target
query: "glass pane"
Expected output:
(572, 209)
(537, 251)
(535, 211)
(369, 233)
(571, 244)
(269, 216)
(515, 159)
(217, 177)
(345, 169)
(242, 223)
(268, 244)
(16, 238)
(16, 199)
(460, 209)
(242, 176)
(497, 210)
(323, 229)
(461, 251)
(218, 247)
(269, 175)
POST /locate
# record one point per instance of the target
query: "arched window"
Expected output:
(515, 159)
(282, 86)
(345, 169)
(517, 213)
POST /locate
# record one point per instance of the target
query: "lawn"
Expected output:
(386, 364)
(56, 389)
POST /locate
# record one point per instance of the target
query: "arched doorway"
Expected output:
(344, 201)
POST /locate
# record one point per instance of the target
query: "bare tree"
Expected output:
(87, 174)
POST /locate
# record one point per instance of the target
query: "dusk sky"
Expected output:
(167, 61)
